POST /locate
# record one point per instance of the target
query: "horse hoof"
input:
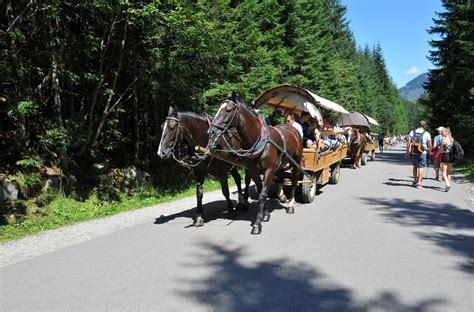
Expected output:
(266, 218)
(199, 222)
(290, 210)
(256, 230)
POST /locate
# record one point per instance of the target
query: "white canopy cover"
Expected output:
(372, 121)
(296, 99)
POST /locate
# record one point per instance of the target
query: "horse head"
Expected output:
(227, 117)
(170, 134)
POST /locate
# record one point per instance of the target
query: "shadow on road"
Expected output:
(218, 210)
(423, 213)
(408, 183)
(462, 245)
(394, 156)
(278, 285)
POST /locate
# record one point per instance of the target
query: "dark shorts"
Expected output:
(419, 160)
(446, 158)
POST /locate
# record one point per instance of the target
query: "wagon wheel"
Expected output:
(335, 173)
(307, 191)
(363, 160)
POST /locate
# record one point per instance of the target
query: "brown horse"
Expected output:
(181, 133)
(265, 149)
(357, 143)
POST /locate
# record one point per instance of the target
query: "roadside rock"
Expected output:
(9, 191)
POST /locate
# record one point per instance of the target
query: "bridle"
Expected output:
(254, 151)
(176, 148)
(222, 130)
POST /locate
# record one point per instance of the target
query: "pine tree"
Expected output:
(450, 85)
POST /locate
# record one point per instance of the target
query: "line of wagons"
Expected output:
(226, 143)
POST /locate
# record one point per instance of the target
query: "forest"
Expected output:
(91, 82)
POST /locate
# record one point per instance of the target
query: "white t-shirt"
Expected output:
(298, 127)
(425, 139)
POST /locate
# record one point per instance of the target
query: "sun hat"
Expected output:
(440, 128)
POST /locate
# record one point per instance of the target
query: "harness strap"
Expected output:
(257, 149)
(290, 159)
(283, 139)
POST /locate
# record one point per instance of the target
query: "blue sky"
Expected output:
(400, 26)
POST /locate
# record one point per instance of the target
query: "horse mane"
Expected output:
(197, 116)
(239, 101)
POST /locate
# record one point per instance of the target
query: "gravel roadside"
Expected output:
(51, 240)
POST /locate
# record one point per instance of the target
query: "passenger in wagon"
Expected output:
(290, 120)
(309, 126)
(332, 136)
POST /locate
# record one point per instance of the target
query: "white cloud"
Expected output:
(412, 71)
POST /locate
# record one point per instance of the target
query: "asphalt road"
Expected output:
(370, 243)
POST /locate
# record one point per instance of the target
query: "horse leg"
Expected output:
(294, 183)
(245, 198)
(235, 174)
(263, 212)
(225, 192)
(258, 183)
(198, 219)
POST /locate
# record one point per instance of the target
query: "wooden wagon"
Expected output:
(321, 167)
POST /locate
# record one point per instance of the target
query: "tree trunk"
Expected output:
(136, 118)
(109, 107)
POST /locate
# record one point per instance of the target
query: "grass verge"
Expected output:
(467, 168)
(63, 210)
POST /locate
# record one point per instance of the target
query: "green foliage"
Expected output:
(29, 163)
(54, 139)
(24, 109)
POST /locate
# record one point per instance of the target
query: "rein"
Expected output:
(255, 150)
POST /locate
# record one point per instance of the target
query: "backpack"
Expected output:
(457, 151)
(417, 142)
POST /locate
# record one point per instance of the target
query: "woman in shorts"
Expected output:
(446, 147)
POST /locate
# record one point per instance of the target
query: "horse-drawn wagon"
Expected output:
(321, 167)
(362, 145)
(372, 144)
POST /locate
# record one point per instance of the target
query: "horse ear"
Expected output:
(232, 96)
(172, 111)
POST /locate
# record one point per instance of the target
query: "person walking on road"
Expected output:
(446, 147)
(419, 143)
(381, 144)
(437, 152)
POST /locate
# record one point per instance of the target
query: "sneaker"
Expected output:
(436, 179)
(418, 186)
(414, 184)
(448, 187)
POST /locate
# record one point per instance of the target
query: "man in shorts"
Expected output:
(419, 143)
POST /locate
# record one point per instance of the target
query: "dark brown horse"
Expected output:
(265, 149)
(357, 143)
(181, 133)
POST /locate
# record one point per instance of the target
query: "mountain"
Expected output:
(413, 90)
